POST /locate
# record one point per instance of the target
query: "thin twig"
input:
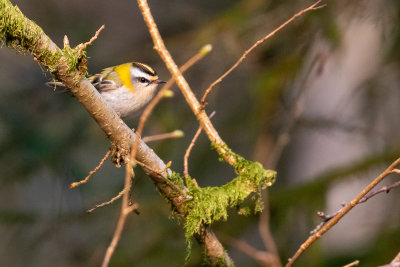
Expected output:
(84, 181)
(157, 172)
(351, 264)
(385, 189)
(164, 179)
(158, 137)
(120, 194)
(83, 46)
(187, 153)
(217, 81)
(95, 36)
(125, 210)
(326, 218)
(189, 149)
(343, 212)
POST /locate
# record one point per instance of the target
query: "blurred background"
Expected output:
(318, 102)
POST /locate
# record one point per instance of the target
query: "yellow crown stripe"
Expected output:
(124, 73)
(146, 66)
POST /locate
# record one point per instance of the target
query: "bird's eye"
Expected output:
(143, 80)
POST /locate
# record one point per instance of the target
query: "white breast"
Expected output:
(126, 103)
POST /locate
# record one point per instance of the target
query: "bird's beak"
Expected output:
(158, 81)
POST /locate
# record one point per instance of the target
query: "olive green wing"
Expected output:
(107, 80)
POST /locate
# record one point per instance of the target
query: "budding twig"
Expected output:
(158, 137)
(84, 181)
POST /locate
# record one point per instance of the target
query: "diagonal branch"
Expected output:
(344, 211)
(68, 65)
(187, 92)
(22, 34)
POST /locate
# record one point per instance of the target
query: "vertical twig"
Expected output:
(212, 247)
(191, 99)
(125, 210)
(189, 149)
(187, 153)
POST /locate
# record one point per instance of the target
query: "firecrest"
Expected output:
(128, 87)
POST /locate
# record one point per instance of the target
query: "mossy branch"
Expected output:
(210, 204)
(67, 65)
(198, 206)
(23, 35)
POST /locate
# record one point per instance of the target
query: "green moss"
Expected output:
(15, 29)
(23, 35)
(49, 59)
(76, 60)
(222, 262)
(176, 179)
(210, 204)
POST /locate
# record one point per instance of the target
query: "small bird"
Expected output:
(127, 88)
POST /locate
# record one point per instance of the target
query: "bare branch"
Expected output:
(120, 194)
(327, 218)
(191, 99)
(343, 212)
(385, 189)
(396, 171)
